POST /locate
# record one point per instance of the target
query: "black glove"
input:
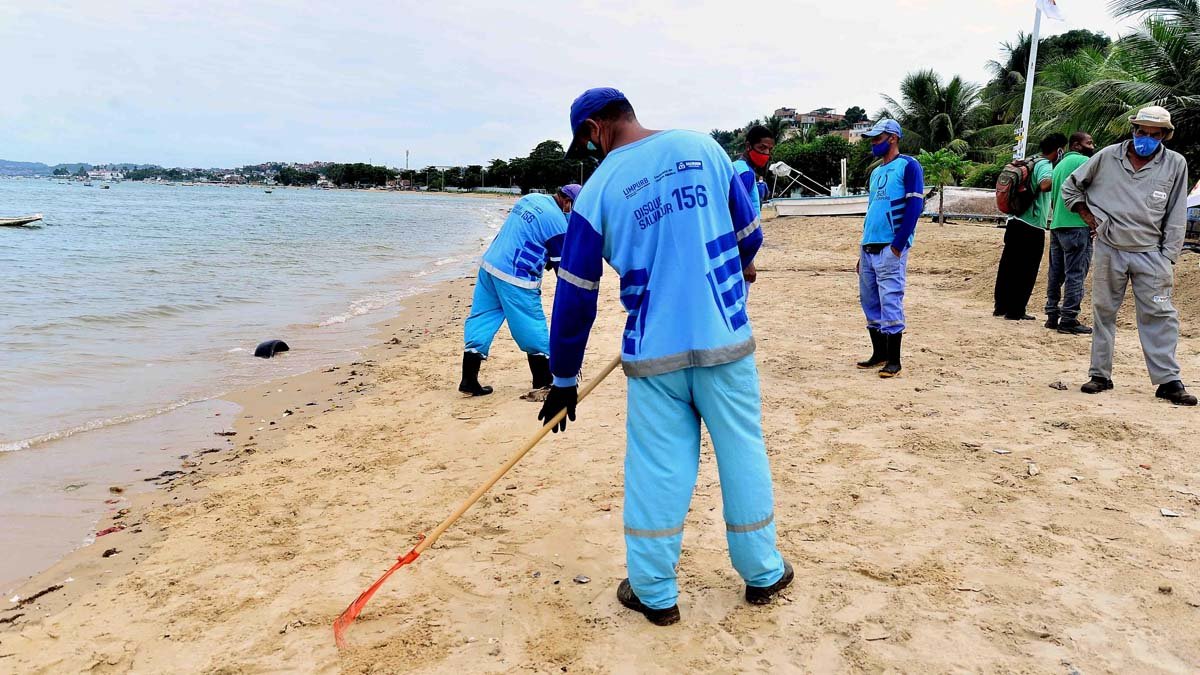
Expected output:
(556, 400)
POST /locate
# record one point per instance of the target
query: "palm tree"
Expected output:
(934, 113)
(775, 125)
(1005, 93)
(1157, 64)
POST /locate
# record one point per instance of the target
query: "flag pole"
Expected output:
(1023, 141)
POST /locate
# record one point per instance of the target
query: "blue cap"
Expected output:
(571, 190)
(886, 126)
(589, 103)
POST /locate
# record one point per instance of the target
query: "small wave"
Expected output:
(236, 350)
(93, 425)
(132, 316)
(370, 304)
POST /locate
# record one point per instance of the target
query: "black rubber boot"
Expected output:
(539, 367)
(1051, 322)
(758, 595)
(1096, 385)
(878, 350)
(470, 375)
(1175, 393)
(658, 617)
(892, 368)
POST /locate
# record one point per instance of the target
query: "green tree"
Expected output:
(1005, 93)
(819, 159)
(776, 125)
(724, 138)
(934, 112)
(943, 168)
(82, 172)
(61, 172)
(855, 114)
(291, 176)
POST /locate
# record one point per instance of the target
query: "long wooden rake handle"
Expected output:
(347, 617)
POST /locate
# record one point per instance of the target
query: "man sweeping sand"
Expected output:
(667, 211)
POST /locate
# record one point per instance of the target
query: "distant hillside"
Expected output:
(72, 168)
(8, 168)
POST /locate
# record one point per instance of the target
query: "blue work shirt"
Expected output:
(750, 181)
(672, 218)
(530, 237)
(896, 201)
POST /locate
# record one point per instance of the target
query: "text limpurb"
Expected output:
(636, 187)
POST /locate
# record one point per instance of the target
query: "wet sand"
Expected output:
(917, 546)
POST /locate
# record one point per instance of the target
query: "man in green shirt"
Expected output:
(1025, 238)
(1070, 245)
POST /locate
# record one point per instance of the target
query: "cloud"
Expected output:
(226, 83)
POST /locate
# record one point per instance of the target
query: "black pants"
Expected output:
(1019, 264)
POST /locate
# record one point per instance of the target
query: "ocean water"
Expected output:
(130, 306)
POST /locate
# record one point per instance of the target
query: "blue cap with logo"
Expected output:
(587, 104)
(885, 126)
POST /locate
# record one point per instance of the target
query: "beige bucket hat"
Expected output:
(1153, 116)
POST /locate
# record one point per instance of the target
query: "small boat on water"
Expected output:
(104, 187)
(268, 190)
(20, 220)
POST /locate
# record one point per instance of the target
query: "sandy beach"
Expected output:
(964, 517)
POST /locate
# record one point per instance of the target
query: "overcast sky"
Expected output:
(220, 83)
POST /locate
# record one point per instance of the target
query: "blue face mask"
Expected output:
(1145, 146)
(881, 149)
(595, 151)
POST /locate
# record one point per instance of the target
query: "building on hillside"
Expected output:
(818, 116)
(855, 133)
(786, 114)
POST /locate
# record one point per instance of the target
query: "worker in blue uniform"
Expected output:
(666, 210)
(509, 286)
(895, 203)
(750, 169)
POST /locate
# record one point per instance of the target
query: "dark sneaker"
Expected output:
(1051, 322)
(1073, 328)
(1175, 393)
(1022, 317)
(997, 312)
(1096, 385)
(658, 617)
(761, 595)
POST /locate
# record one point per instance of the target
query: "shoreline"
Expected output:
(65, 497)
(917, 546)
(75, 575)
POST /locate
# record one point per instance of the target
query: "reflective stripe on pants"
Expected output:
(496, 301)
(661, 463)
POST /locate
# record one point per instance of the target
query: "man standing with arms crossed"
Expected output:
(896, 200)
(666, 210)
(1070, 245)
(1133, 195)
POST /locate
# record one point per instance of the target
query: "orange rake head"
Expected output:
(347, 617)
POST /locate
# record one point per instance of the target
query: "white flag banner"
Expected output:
(1051, 10)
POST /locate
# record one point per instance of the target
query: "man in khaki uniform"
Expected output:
(1133, 196)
